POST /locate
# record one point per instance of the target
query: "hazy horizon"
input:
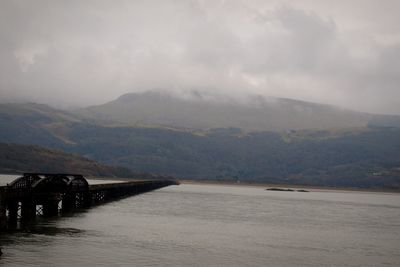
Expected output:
(76, 54)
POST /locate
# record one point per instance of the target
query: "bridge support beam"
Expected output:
(12, 212)
(50, 207)
(28, 209)
(69, 202)
(3, 214)
(86, 200)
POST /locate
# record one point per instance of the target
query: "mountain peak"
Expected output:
(199, 110)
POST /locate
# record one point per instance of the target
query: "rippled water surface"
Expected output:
(211, 225)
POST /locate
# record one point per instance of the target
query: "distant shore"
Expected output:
(268, 185)
(289, 186)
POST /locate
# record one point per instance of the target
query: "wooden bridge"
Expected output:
(49, 194)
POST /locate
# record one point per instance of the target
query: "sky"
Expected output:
(75, 53)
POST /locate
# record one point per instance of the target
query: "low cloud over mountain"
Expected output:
(205, 111)
(75, 53)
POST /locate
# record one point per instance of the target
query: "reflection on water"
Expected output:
(199, 225)
(41, 229)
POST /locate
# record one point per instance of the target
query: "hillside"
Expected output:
(366, 157)
(255, 113)
(32, 123)
(21, 158)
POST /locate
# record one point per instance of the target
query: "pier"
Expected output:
(43, 194)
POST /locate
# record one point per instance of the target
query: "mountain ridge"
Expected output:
(256, 113)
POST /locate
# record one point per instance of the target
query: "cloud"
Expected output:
(74, 53)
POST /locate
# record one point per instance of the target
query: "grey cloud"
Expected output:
(293, 41)
(75, 53)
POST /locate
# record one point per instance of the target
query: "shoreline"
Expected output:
(290, 186)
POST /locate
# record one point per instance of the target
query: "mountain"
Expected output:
(21, 158)
(254, 113)
(362, 157)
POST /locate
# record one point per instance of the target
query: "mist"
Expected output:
(80, 53)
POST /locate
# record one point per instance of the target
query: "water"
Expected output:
(211, 225)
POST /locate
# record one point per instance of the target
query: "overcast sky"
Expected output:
(76, 53)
